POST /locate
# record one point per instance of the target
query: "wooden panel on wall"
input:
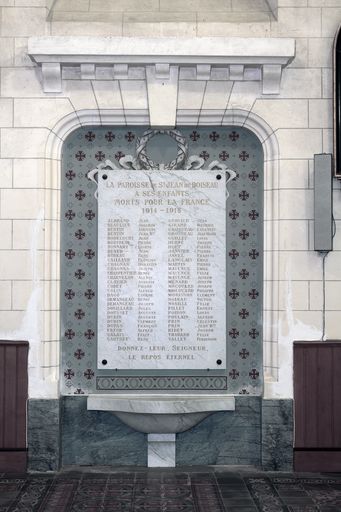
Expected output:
(13, 405)
(320, 461)
(317, 406)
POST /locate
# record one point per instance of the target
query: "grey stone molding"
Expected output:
(109, 383)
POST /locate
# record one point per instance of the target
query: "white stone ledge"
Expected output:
(173, 50)
(147, 403)
(211, 58)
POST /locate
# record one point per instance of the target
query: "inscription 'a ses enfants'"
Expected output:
(170, 194)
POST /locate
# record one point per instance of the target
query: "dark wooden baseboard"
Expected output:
(13, 461)
(317, 460)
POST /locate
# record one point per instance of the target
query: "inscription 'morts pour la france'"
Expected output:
(161, 270)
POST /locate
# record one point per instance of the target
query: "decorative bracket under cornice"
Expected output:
(161, 62)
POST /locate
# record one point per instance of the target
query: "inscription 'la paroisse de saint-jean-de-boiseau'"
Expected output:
(161, 270)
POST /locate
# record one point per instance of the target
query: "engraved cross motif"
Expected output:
(243, 274)
(69, 294)
(234, 136)
(253, 214)
(109, 136)
(70, 215)
(234, 254)
(244, 234)
(69, 334)
(119, 155)
(89, 294)
(90, 136)
(234, 214)
(79, 391)
(244, 354)
(234, 333)
(244, 156)
(129, 136)
(90, 215)
(253, 334)
(234, 294)
(194, 136)
(80, 155)
(234, 374)
(79, 274)
(254, 374)
(243, 313)
(253, 175)
(79, 354)
(89, 254)
(223, 155)
(100, 156)
(69, 373)
(89, 334)
(244, 195)
(253, 294)
(79, 314)
(88, 374)
(204, 155)
(70, 175)
(80, 194)
(80, 234)
(214, 136)
(70, 254)
(253, 254)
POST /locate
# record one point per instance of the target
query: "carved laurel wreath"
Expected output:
(147, 163)
(143, 162)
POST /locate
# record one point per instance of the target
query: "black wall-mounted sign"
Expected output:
(337, 104)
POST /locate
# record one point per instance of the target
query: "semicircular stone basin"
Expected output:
(161, 414)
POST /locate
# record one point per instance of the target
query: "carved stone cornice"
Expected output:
(161, 62)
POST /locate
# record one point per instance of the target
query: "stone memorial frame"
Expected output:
(220, 383)
(237, 118)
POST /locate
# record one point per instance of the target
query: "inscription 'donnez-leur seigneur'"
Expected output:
(161, 270)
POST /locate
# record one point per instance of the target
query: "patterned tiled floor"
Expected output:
(178, 490)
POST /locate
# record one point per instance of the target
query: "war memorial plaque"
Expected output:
(161, 270)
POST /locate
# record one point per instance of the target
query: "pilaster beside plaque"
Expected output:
(162, 269)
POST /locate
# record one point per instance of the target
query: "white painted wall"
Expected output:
(300, 118)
